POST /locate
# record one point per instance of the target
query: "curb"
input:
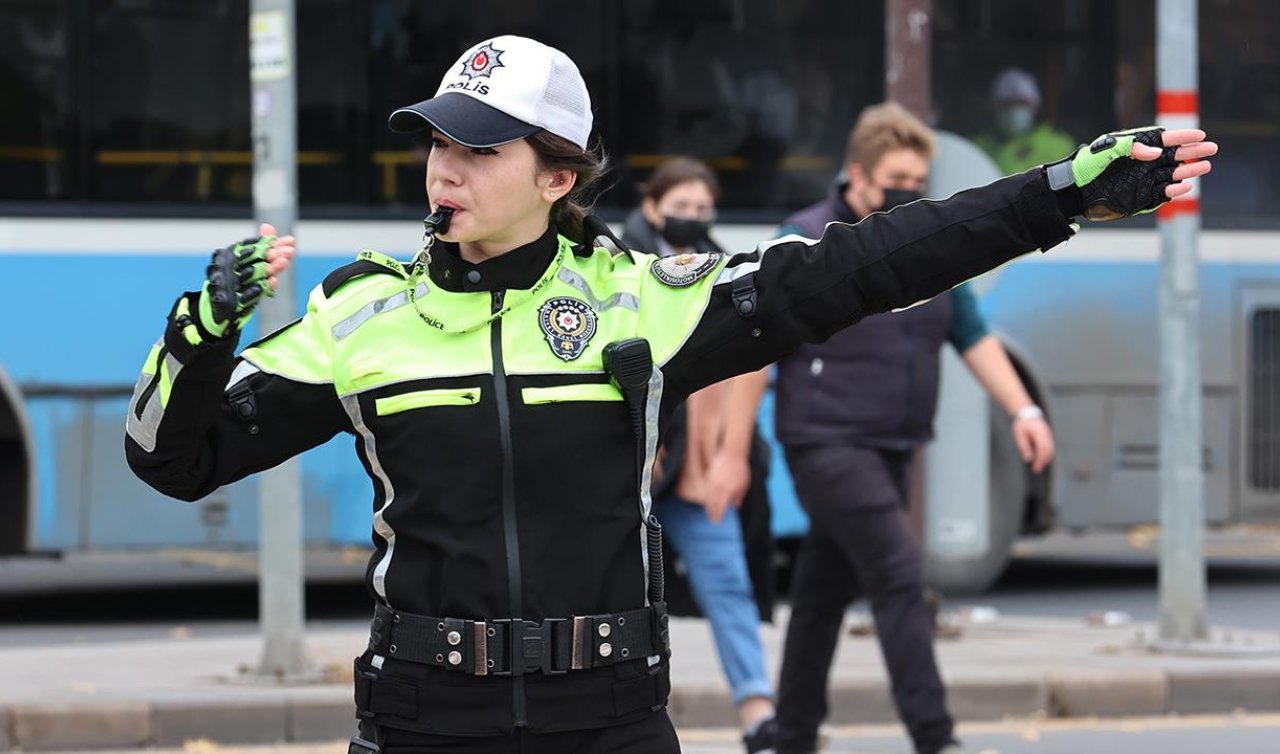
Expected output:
(328, 714)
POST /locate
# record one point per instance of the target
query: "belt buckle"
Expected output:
(530, 646)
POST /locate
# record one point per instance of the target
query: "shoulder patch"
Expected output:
(680, 270)
(367, 262)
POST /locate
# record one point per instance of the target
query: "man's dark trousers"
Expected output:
(860, 543)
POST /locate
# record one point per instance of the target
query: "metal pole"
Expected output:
(275, 200)
(1182, 571)
(908, 41)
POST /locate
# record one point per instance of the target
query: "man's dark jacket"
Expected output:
(873, 385)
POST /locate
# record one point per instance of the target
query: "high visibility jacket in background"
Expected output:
(1041, 144)
(503, 460)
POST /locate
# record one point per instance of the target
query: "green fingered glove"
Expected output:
(1102, 182)
(235, 282)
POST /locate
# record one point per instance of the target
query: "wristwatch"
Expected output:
(1028, 412)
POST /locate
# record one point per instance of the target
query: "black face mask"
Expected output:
(680, 232)
(898, 197)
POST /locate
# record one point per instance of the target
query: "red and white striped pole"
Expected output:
(1180, 108)
(1182, 570)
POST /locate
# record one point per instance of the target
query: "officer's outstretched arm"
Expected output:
(804, 290)
(200, 417)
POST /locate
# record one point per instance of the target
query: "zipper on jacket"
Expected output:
(150, 389)
(515, 596)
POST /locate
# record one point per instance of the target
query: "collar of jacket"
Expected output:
(517, 269)
(844, 213)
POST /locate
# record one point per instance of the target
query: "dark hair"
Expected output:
(676, 171)
(558, 153)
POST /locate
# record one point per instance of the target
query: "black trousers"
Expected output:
(860, 543)
(652, 735)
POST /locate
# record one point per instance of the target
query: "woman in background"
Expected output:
(710, 490)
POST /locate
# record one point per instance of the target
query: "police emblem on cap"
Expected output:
(680, 270)
(482, 62)
(568, 324)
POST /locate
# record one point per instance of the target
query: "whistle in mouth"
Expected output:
(438, 222)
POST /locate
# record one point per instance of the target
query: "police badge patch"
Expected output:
(679, 270)
(569, 325)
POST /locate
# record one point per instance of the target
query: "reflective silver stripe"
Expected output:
(910, 306)
(625, 300)
(651, 406)
(242, 370)
(175, 367)
(143, 431)
(371, 310)
(259, 368)
(732, 273)
(380, 525)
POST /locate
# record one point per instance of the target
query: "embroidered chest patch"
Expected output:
(568, 324)
(680, 270)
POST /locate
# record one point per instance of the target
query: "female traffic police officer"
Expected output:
(506, 391)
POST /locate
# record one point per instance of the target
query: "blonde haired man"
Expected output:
(851, 413)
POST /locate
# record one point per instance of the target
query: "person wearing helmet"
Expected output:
(1018, 140)
(505, 390)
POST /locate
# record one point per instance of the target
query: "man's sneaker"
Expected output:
(952, 748)
(763, 739)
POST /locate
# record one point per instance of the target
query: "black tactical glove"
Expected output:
(1102, 182)
(235, 282)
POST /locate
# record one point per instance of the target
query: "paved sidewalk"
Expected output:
(127, 694)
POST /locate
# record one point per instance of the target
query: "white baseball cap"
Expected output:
(503, 89)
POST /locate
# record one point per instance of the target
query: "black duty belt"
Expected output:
(511, 646)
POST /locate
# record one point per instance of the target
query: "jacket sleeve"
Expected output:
(803, 291)
(201, 418)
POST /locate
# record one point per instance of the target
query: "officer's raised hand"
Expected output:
(1127, 173)
(237, 278)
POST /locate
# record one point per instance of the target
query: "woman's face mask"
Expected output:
(686, 211)
(1016, 119)
(680, 232)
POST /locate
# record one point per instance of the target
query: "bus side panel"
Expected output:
(1092, 328)
(89, 321)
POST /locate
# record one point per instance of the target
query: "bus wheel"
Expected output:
(17, 470)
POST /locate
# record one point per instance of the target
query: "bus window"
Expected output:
(35, 95)
(1090, 66)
